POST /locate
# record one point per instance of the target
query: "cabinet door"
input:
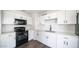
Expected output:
(61, 17)
(51, 40)
(71, 16)
(12, 41)
(60, 41)
(66, 41)
(42, 19)
(31, 35)
(42, 37)
(8, 41)
(4, 41)
(29, 21)
(71, 42)
(8, 18)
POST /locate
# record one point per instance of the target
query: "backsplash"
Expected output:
(68, 28)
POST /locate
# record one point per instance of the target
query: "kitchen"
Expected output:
(52, 28)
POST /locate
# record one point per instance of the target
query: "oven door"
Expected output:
(21, 38)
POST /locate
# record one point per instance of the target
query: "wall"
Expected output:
(0, 21)
(66, 28)
(35, 23)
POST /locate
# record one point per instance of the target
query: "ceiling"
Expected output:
(34, 11)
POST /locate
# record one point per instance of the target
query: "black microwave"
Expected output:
(20, 22)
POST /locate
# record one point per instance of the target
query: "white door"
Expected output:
(51, 41)
(61, 17)
(42, 19)
(31, 35)
(71, 16)
(60, 41)
(43, 38)
(8, 41)
(4, 41)
(66, 41)
(12, 41)
(8, 18)
(71, 42)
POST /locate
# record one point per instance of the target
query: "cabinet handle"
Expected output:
(47, 37)
(66, 21)
(66, 43)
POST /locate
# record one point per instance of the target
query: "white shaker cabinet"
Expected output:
(8, 40)
(49, 19)
(8, 18)
(31, 34)
(51, 39)
(66, 41)
(66, 17)
(71, 16)
(47, 38)
(61, 17)
(42, 19)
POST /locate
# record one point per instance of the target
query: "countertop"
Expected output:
(62, 33)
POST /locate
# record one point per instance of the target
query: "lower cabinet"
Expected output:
(47, 38)
(54, 40)
(66, 41)
(8, 40)
(31, 34)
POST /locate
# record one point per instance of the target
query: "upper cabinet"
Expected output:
(48, 19)
(59, 17)
(67, 17)
(10, 15)
(8, 18)
(71, 16)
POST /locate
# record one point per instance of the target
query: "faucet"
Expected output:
(50, 28)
